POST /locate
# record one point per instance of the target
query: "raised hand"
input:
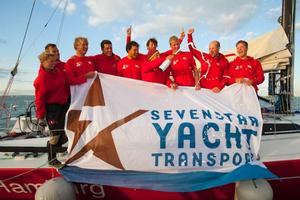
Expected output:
(182, 35)
(191, 31)
(128, 31)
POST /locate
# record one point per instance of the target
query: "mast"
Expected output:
(287, 75)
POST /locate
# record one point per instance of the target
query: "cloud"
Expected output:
(297, 25)
(249, 35)
(110, 11)
(155, 16)
(71, 7)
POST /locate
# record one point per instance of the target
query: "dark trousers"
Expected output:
(55, 116)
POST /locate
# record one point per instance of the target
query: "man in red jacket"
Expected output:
(52, 49)
(80, 67)
(107, 61)
(213, 65)
(51, 99)
(130, 66)
(245, 69)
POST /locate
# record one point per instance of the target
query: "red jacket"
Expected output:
(50, 87)
(130, 68)
(106, 64)
(77, 67)
(248, 68)
(181, 68)
(212, 68)
(61, 65)
(152, 73)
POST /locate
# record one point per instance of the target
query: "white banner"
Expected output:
(118, 124)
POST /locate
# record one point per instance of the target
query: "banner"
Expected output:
(130, 133)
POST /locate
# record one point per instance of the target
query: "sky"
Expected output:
(227, 21)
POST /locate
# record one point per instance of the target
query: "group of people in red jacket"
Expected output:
(173, 68)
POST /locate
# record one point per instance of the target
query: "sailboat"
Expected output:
(279, 150)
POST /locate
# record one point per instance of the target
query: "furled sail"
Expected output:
(270, 48)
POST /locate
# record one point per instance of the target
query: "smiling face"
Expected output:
(151, 46)
(214, 48)
(241, 50)
(54, 50)
(49, 63)
(174, 44)
(81, 46)
(107, 49)
(133, 52)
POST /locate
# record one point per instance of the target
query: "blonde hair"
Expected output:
(78, 39)
(173, 38)
(45, 56)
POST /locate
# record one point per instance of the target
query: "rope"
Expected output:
(43, 29)
(15, 69)
(23, 173)
(22, 45)
(61, 24)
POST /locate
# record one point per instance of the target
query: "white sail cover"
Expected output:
(270, 49)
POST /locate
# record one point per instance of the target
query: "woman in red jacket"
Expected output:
(245, 69)
(52, 93)
(80, 67)
(183, 67)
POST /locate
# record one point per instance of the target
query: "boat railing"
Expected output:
(32, 149)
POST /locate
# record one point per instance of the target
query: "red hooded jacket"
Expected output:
(50, 87)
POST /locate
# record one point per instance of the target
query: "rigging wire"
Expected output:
(61, 23)
(42, 30)
(15, 69)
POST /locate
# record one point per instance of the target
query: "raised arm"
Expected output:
(128, 34)
(195, 52)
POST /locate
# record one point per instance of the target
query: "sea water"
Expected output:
(15, 106)
(18, 104)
